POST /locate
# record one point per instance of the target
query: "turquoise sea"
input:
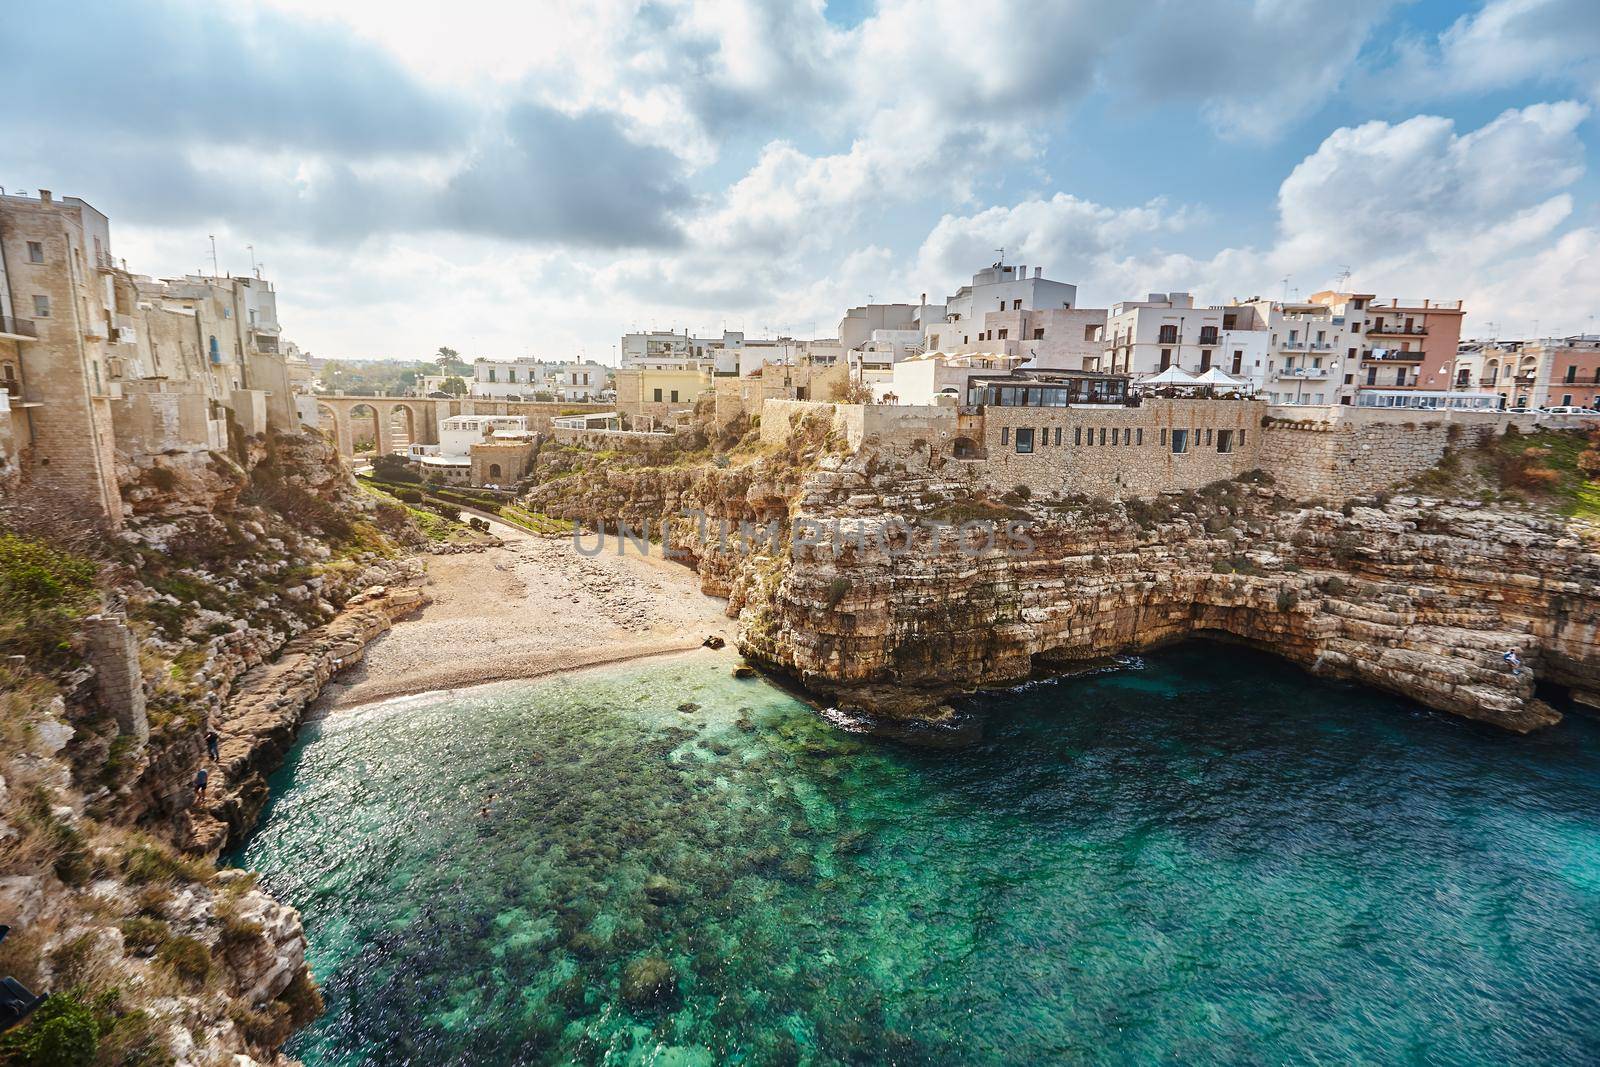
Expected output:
(1204, 857)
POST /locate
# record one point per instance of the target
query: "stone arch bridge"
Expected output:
(336, 414)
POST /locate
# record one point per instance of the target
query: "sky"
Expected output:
(536, 178)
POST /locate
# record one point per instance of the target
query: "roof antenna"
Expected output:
(1002, 254)
(1344, 278)
(213, 254)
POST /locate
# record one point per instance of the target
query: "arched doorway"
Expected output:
(964, 448)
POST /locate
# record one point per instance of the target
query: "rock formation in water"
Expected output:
(233, 592)
(1416, 595)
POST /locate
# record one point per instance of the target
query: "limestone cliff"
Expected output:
(236, 587)
(1416, 595)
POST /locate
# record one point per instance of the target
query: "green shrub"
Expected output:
(143, 936)
(187, 957)
(43, 591)
(62, 1032)
(837, 590)
(409, 496)
(146, 863)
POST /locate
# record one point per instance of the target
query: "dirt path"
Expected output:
(533, 606)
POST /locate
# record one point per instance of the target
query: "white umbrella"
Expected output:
(1170, 376)
(1221, 379)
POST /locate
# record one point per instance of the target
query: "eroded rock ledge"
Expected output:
(1418, 596)
(258, 725)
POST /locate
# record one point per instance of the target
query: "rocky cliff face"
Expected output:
(1422, 597)
(237, 587)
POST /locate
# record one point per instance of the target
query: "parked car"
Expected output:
(1567, 409)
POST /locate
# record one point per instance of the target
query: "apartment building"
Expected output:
(1311, 354)
(525, 377)
(106, 370)
(1409, 343)
(1565, 372)
(1145, 337)
(58, 308)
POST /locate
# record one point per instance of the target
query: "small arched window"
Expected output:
(494, 470)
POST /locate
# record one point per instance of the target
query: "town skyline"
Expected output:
(762, 169)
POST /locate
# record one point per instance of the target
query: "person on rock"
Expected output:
(200, 784)
(211, 744)
(1515, 660)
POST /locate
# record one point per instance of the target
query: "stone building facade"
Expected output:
(108, 373)
(1130, 452)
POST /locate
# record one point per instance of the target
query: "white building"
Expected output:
(1003, 288)
(522, 379)
(1007, 311)
(922, 379)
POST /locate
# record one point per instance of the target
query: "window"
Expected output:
(1004, 334)
(1169, 335)
(1180, 441)
(1372, 375)
(1127, 436)
(1349, 379)
(674, 396)
(1241, 438)
(1238, 360)
(1224, 441)
(491, 378)
(1163, 438)
(1016, 305)
(1024, 439)
(1572, 375)
(1208, 437)
(658, 396)
(1005, 435)
(1058, 435)
(1138, 437)
(494, 470)
(1205, 361)
(1400, 376)
(1102, 435)
(1038, 333)
(1077, 435)
(1166, 358)
(41, 306)
(1566, 399)
(35, 252)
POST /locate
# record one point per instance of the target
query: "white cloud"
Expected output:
(1506, 43)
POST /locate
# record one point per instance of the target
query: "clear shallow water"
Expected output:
(1212, 859)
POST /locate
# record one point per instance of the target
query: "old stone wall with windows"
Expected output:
(1118, 452)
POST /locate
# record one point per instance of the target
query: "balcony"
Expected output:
(1393, 356)
(105, 261)
(1209, 340)
(13, 329)
(1295, 345)
(1304, 372)
(1397, 330)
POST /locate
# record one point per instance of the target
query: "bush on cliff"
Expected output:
(63, 1032)
(43, 592)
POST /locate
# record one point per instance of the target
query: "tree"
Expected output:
(455, 385)
(448, 357)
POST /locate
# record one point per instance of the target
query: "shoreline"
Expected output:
(530, 607)
(330, 703)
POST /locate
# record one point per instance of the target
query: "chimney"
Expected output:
(44, 196)
(1038, 272)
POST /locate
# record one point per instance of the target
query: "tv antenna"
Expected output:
(1344, 278)
(213, 254)
(1001, 253)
